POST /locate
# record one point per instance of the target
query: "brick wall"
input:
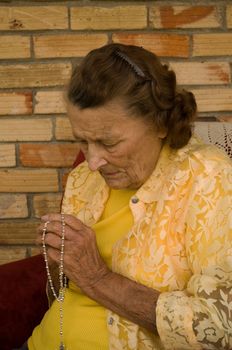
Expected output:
(39, 45)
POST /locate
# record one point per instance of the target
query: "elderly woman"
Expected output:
(143, 245)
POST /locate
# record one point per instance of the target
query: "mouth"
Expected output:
(110, 174)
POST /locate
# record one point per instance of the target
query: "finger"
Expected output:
(69, 220)
(41, 227)
(53, 255)
(52, 226)
(56, 228)
(41, 230)
(52, 241)
(47, 238)
(51, 217)
(74, 223)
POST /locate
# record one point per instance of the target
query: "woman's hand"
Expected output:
(83, 263)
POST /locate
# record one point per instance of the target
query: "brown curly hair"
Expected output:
(136, 77)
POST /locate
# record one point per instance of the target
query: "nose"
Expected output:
(95, 158)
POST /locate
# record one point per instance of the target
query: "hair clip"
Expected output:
(134, 66)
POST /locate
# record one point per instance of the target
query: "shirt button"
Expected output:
(134, 200)
(110, 321)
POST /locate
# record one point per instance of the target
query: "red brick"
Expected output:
(116, 17)
(202, 73)
(17, 180)
(7, 155)
(213, 100)
(229, 16)
(225, 118)
(33, 17)
(185, 17)
(23, 232)
(48, 155)
(25, 129)
(47, 203)
(172, 45)
(34, 251)
(49, 102)
(9, 254)
(12, 103)
(65, 178)
(13, 206)
(14, 46)
(212, 44)
(34, 75)
(64, 129)
(67, 45)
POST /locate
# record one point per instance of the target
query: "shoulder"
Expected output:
(203, 158)
(210, 169)
(196, 166)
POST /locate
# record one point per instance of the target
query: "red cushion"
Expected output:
(79, 159)
(23, 300)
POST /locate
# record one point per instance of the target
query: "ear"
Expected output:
(162, 133)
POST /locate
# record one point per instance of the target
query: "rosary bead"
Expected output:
(62, 277)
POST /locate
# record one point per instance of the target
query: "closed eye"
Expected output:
(84, 142)
(108, 145)
(101, 143)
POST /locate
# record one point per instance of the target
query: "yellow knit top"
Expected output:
(84, 325)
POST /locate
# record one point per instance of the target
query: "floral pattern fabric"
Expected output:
(180, 244)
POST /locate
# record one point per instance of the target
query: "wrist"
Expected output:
(100, 279)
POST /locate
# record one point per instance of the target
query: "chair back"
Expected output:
(216, 133)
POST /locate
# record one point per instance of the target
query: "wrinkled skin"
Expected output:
(125, 150)
(82, 261)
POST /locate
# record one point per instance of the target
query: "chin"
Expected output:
(120, 182)
(116, 185)
(116, 182)
(120, 185)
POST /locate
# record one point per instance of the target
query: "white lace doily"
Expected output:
(217, 133)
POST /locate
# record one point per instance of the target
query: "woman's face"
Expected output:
(124, 149)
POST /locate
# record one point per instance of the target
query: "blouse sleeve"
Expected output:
(200, 317)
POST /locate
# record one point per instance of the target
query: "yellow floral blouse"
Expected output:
(180, 244)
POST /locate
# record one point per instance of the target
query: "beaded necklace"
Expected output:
(62, 278)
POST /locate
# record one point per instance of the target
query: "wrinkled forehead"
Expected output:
(108, 121)
(105, 115)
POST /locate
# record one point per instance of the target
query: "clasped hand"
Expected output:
(83, 263)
